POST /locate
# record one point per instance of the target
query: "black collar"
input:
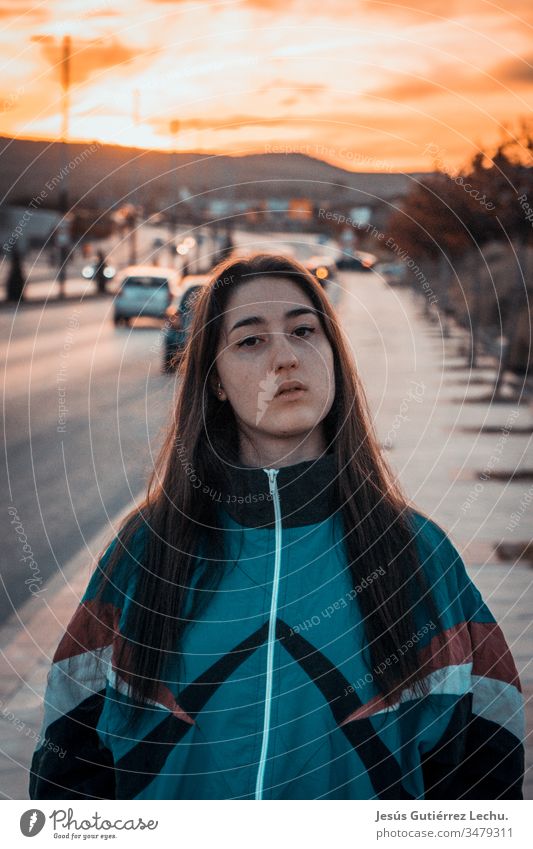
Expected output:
(307, 493)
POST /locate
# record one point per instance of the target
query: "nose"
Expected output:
(283, 353)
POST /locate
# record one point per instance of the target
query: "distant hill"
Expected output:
(103, 175)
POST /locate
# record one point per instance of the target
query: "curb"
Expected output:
(55, 301)
(29, 637)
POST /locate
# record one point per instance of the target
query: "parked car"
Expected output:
(177, 325)
(394, 273)
(356, 261)
(145, 290)
(323, 267)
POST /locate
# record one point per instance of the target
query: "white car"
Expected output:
(145, 290)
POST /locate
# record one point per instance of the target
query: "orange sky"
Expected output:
(368, 85)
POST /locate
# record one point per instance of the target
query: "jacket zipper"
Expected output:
(273, 485)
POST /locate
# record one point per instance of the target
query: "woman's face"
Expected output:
(274, 361)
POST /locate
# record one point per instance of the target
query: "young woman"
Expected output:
(276, 621)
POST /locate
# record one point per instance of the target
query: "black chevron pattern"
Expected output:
(146, 759)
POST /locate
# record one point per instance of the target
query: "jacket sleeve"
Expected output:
(481, 754)
(70, 761)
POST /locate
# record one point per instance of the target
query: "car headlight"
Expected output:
(172, 317)
(87, 272)
(173, 320)
(109, 272)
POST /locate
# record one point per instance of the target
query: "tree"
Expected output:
(448, 218)
(508, 182)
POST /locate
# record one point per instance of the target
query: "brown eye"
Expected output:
(249, 342)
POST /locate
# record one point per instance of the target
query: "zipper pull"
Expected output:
(272, 475)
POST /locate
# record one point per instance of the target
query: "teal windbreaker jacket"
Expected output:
(277, 698)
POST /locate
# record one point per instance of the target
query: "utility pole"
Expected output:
(133, 217)
(174, 129)
(63, 240)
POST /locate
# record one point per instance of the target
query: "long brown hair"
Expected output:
(179, 517)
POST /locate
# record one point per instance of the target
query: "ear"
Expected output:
(216, 388)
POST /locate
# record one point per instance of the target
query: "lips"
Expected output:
(290, 387)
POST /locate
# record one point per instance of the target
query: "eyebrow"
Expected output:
(257, 319)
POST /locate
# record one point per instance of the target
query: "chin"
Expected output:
(292, 425)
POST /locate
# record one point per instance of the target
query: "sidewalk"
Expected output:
(27, 644)
(462, 460)
(42, 287)
(46, 292)
(438, 457)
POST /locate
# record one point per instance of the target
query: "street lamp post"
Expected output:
(133, 213)
(174, 129)
(63, 241)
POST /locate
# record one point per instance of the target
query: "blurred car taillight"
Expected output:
(173, 319)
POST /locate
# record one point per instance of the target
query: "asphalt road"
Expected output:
(84, 408)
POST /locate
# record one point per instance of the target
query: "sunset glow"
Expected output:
(350, 81)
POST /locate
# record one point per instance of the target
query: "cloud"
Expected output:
(441, 82)
(23, 11)
(425, 11)
(300, 88)
(228, 122)
(87, 57)
(419, 10)
(342, 8)
(102, 13)
(272, 5)
(346, 120)
(296, 93)
(213, 6)
(513, 71)
(458, 80)
(415, 89)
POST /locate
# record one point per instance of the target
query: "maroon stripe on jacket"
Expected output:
(95, 626)
(492, 656)
(481, 643)
(92, 627)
